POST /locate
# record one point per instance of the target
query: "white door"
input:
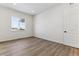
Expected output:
(71, 17)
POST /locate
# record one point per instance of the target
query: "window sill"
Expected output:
(17, 29)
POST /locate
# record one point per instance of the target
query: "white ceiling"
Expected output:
(30, 8)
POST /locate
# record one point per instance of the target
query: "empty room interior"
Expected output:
(39, 29)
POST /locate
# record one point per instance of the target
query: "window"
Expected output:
(17, 23)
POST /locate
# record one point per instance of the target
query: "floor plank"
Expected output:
(36, 47)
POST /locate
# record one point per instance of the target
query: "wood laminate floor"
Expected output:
(36, 47)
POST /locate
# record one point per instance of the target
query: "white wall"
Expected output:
(49, 24)
(5, 28)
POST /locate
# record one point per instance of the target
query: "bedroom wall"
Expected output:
(6, 33)
(49, 24)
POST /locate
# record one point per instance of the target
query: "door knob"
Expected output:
(65, 31)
